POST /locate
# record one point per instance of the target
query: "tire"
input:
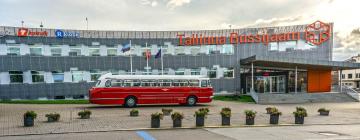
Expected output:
(191, 101)
(130, 102)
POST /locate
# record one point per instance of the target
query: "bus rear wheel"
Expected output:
(130, 102)
(191, 101)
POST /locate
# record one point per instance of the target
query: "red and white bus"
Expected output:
(130, 90)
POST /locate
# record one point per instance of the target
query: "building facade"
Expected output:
(351, 78)
(57, 63)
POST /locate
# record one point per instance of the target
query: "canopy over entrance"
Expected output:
(277, 62)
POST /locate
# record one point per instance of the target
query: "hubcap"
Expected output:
(130, 102)
(191, 101)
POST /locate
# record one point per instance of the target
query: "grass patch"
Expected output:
(44, 101)
(241, 98)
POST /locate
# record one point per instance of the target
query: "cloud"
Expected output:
(172, 4)
(345, 47)
(152, 3)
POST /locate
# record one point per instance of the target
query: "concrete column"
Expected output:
(252, 76)
(340, 80)
(296, 77)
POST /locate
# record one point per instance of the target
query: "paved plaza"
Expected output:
(115, 118)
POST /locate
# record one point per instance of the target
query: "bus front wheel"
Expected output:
(191, 101)
(130, 101)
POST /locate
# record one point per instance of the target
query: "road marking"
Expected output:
(145, 135)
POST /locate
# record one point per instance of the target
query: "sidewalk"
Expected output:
(107, 118)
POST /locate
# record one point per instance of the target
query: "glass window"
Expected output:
(95, 74)
(148, 83)
(287, 46)
(165, 83)
(342, 76)
(229, 73)
(13, 51)
(195, 71)
(350, 76)
(132, 83)
(75, 51)
(35, 51)
(212, 49)
(194, 83)
(55, 51)
(16, 76)
(273, 46)
(180, 50)
(111, 51)
(195, 50)
(212, 73)
(227, 49)
(77, 76)
(116, 83)
(180, 83)
(94, 51)
(58, 76)
(37, 76)
(203, 83)
(180, 72)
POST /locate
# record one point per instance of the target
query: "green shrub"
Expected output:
(275, 111)
(157, 115)
(54, 116)
(226, 112)
(177, 115)
(323, 110)
(30, 114)
(206, 110)
(250, 114)
(84, 113)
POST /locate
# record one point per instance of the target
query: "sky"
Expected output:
(160, 15)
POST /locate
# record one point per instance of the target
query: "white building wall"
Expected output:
(46, 50)
(48, 77)
(67, 76)
(24, 49)
(65, 49)
(3, 49)
(27, 77)
(4, 78)
(103, 50)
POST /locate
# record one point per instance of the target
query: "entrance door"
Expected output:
(268, 84)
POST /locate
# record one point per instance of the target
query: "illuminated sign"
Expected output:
(23, 32)
(315, 33)
(62, 34)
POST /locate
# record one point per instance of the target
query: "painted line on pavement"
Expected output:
(145, 135)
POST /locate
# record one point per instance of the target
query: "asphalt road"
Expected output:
(313, 132)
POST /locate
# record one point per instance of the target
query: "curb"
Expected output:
(171, 128)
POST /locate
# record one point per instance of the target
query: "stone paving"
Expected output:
(106, 118)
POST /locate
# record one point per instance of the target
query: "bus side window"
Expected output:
(184, 83)
(108, 83)
(203, 83)
(165, 83)
(116, 83)
(127, 83)
(194, 83)
(136, 83)
(176, 83)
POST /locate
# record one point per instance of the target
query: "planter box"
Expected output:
(155, 122)
(250, 121)
(85, 117)
(50, 119)
(299, 120)
(177, 123)
(274, 119)
(225, 120)
(166, 113)
(28, 121)
(324, 113)
(134, 114)
(200, 120)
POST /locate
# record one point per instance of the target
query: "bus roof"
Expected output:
(110, 76)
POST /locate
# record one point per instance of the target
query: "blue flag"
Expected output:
(158, 54)
(126, 48)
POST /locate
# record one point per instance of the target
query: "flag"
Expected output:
(158, 54)
(147, 54)
(126, 48)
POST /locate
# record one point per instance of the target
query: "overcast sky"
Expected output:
(188, 15)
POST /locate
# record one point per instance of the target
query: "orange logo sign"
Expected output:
(317, 32)
(23, 32)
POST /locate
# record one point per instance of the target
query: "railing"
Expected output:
(254, 95)
(347, 90)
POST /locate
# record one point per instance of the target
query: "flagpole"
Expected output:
(147, 60)
(131, 65)
(162, 62)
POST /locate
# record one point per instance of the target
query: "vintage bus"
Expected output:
(130, 90)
